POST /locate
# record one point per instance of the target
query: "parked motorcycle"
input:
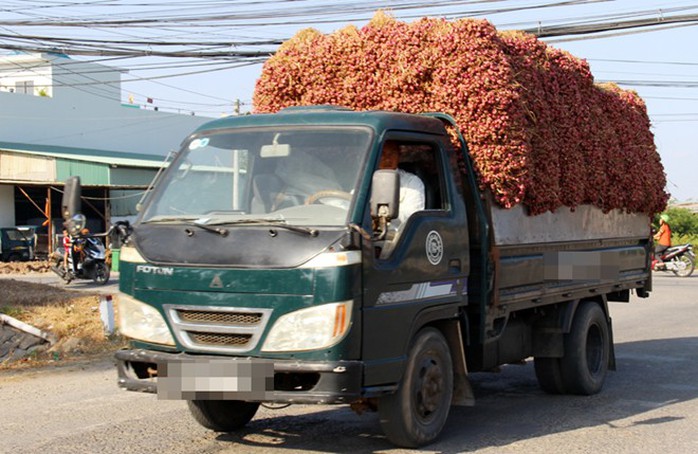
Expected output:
(680, 260)
(87, 260)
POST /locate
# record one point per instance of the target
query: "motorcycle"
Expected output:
(680, 260)
(87, 260)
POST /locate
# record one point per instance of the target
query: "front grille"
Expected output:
(226, 318)
(236, 340)
(217, 329)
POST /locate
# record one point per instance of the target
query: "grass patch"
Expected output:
(73, 317)
(14, 312)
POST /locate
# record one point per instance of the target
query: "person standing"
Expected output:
(67, 246)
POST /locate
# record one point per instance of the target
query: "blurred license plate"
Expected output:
(215, 379)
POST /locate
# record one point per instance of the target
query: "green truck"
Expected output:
(264, 267)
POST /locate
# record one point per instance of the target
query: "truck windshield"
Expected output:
(294, 176)
(17, 235)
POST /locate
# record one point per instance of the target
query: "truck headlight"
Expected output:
(310, 329)
(141, 321)
(130, 254)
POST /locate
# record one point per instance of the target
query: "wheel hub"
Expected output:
(429, 387)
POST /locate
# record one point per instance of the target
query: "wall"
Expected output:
(39, 74)
(19, 167)
(94, 124)
(74, 79)
(7, 206)
(90, 172)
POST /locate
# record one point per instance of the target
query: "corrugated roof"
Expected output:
(118, 158)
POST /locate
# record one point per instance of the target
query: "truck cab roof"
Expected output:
(331, 115)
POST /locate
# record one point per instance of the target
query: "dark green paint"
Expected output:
(284, 291)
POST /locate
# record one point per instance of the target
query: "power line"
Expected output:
(233, 49)
(602, 27)
(172, 30)
(655, 83)
(644, 62)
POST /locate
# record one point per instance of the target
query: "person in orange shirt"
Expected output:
(662, 237)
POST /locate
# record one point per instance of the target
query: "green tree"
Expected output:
(683, 221)
(684, 225)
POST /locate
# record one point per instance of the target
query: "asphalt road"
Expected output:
(87, 285)
(649, 405)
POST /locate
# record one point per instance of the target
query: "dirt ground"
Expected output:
(34, 266)
(72, 316)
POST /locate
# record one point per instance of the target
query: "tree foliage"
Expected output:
(683, 221)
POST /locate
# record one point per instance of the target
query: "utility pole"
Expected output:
(237, 107)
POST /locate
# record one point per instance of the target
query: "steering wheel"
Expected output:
(327, 193)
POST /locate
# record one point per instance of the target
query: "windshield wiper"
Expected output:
(211, 225)
(296, 228)
(275, 222)
(222, 232)
(171, 219)
(189, 220)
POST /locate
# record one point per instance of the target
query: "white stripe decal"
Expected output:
(421, 291)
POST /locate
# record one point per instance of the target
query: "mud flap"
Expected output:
(463, 395)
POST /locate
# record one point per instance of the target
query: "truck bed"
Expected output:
(567, 254)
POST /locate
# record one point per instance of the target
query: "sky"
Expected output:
(661, 65)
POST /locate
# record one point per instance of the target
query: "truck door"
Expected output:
(421, 269)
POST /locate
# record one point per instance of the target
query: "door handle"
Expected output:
(454, 266)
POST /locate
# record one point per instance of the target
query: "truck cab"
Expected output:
(263, 244)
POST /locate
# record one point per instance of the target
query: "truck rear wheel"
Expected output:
(416, 413)
(222, 415)
(587, 351)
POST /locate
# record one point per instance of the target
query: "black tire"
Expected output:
(587, 351)
(61, 272)
(222, 415)
(415, 414)
(102, 273)
(687, 268)
(549, 375)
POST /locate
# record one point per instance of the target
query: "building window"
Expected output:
(25, 86)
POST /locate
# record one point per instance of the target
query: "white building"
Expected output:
(60, 117)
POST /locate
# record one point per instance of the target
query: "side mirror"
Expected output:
(70, 204)
(385, 194)
(385, 200)
(73, 220)
(75, 224)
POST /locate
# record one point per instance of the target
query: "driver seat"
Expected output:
(266, 188)
(270, 194)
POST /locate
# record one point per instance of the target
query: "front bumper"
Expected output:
(288, 381)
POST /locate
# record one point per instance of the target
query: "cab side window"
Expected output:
(422, 161)
(422, 184)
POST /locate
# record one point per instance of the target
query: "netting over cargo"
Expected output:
(540, 132)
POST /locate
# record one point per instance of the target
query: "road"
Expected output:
(87, 285)
(649, 405)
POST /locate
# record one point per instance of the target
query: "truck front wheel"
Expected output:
(587, 351)
(416, 413)
(549, 375)
(222, 415)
